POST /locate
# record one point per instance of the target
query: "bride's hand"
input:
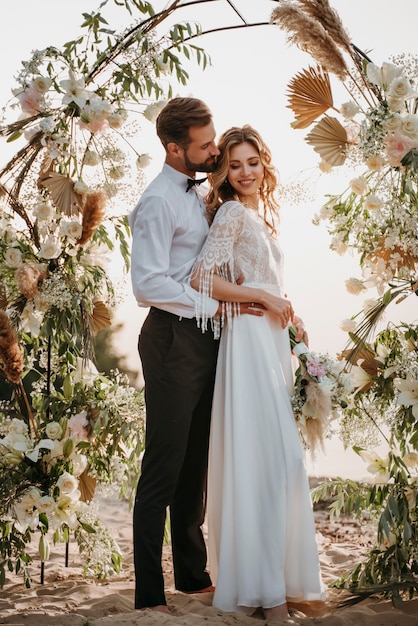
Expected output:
(280, 307)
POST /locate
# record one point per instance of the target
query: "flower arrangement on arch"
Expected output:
(376, 134)
(374, 131)
(321, 392)
(64, 200)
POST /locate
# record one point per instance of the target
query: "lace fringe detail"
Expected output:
(228, 309)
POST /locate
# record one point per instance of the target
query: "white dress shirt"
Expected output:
(169, 227)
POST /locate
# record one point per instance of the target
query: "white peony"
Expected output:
(13, 257)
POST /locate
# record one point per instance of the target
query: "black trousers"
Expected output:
(178, 363)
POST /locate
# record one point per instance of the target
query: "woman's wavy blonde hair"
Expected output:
(220, 189)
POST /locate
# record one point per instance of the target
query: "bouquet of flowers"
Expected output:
(320, 393)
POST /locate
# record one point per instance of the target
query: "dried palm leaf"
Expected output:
(100, 317)
(87, 486)
(395, 257)
(62, 193)
(329, 138)
(309, 94)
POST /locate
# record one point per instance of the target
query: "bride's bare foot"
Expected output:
(276, 611)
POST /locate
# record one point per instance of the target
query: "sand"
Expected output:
(68, 599)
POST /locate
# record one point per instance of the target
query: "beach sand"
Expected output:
(68, 599)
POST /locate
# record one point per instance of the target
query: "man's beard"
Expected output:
(208, 166)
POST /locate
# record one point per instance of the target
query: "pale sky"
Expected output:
(246, 84)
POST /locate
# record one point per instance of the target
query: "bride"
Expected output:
(261, 534)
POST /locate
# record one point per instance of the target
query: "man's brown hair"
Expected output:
(176, 118)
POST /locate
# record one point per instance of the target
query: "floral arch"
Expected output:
(64, 426)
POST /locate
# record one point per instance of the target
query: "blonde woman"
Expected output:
(262, 547)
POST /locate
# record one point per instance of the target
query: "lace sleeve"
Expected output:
(217, 257)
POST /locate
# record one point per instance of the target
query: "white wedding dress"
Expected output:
(261, 535)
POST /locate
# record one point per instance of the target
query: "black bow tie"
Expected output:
(191, 182)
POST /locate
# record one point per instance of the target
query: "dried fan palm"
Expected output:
(87, 487)
(329, 139)
(62, 193)
(100, 317)
(310, 96)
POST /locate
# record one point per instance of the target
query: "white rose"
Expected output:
(30, 497)
(44, 211)
(375, 162)
(410, 126)
(50, 249)
(349, 109)
(358, 185)
(18, 427)
(46, 505)
(118, 118)
(72, 229)
(372, 202)
(400, 89)
(152, 111)
(13, 257)
(354, 286)
(392, 123)
(53, 430)
(67, 483)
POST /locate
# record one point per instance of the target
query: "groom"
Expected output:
(169, 227)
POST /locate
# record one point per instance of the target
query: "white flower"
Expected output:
(41, 83)
(354, 286)
(117, 172)
(349, 109)
(66, 510)
(368, 304)
(46, 505)
(47, 125)
(81, 187)
(377, 465)
(44, 211)
(372, 202)
(117, 118)
(13, 257)
(411, 460)
(383, 76)
(375, 162)
(75, 91)
(348, 325)
(50, 249)
(85, 371)
(409, 126)
(359, 376)
(408, 396)
(392, 123)
(400, 89)
(67, 483)
(18, 427)
(143, 161)
(53, 430)
(31, 323)
(358, 185)
(79, 462)
(91, 158)
(152, 111)
(71, 229)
